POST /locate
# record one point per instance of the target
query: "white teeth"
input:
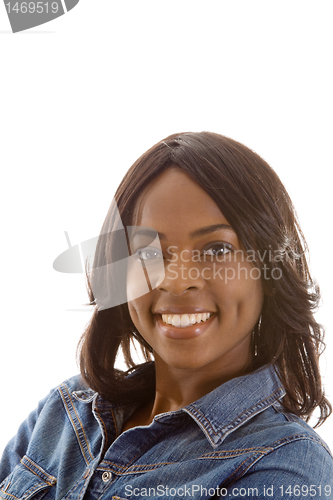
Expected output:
(185, 319)
(175, 320)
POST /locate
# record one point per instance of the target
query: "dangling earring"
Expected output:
(255, 347)
(254, 340)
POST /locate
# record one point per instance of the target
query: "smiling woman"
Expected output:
(187, 220)
(220, 298)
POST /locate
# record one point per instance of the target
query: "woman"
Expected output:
(208, 273)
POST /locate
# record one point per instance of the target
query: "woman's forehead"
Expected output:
(172, 196)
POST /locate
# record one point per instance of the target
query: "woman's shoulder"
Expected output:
(275, 427)
(74, 386)
(284, 450)
(77, 387)
(298, 458)
(61, 402)
(74, 383)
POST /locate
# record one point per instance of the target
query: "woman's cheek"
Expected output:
(139, 309)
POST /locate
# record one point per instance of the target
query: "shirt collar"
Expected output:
(227, 407)
(224, 409)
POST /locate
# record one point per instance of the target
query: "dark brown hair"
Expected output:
(254, 201)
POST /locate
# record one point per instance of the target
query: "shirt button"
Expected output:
(106, 476)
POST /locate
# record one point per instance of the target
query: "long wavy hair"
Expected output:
(256, 204)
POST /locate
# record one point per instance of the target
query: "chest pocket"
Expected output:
(27, 481)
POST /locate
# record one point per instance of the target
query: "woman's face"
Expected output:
(206, 273)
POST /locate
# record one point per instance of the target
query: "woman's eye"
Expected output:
(218, 250)
(149, 253)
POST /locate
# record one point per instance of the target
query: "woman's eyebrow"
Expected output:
(202, 231)
(209, 229)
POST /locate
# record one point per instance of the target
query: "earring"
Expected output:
(254, 340)
(255, 347)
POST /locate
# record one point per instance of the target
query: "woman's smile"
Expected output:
(201, 313)
(184, 326)
(187, 319)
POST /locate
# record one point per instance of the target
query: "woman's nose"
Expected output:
(181, 276)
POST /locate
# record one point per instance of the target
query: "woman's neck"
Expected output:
(176, 388)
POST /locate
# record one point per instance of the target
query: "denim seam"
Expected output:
(280, 442)
(154, 466)
(256, 451)
(256, 457)
(301, 437)
(4, 490)
(129, 470)
(69, 411)
(27, 493)
(71, 491)
(104, 426)
(234, 453)
(48, 478)
(115, 422)
(84, 485)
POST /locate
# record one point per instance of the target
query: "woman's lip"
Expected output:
(182, 310)
(186, 332)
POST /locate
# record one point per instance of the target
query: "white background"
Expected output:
(84, 95)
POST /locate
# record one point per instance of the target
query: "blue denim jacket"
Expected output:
(234, 442)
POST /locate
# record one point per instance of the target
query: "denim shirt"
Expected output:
(236, 441)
